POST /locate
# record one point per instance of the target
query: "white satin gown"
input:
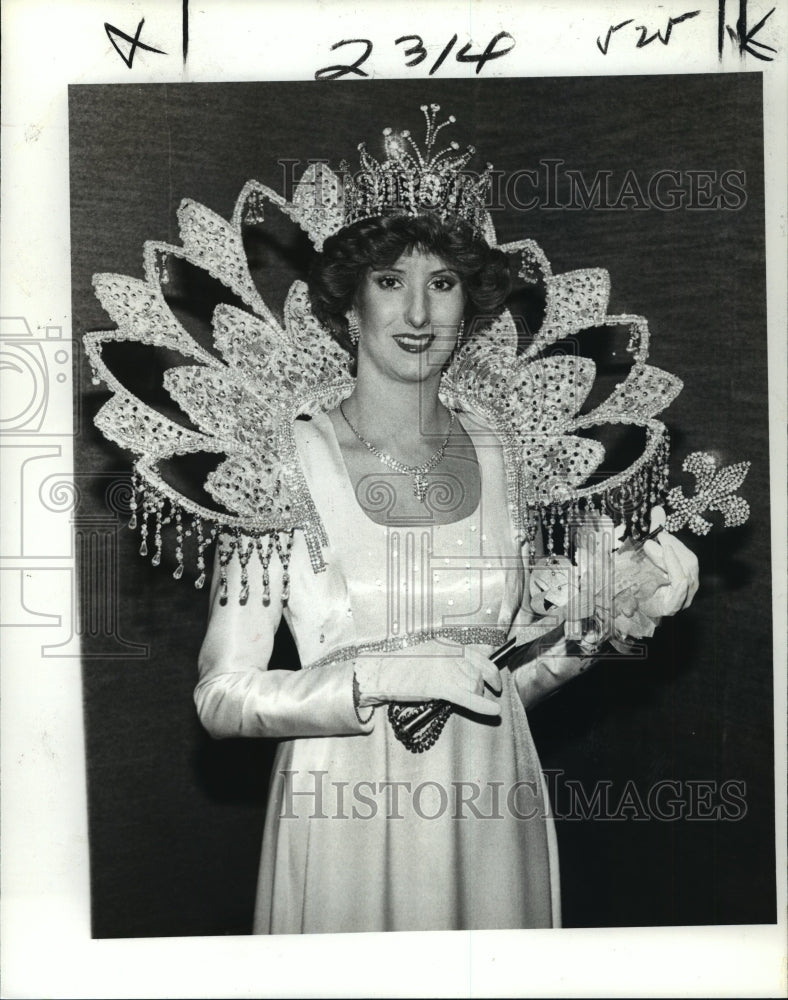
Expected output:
(362, 834)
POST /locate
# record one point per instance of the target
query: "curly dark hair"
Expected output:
(377, 243)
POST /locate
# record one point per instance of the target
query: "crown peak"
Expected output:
(414, 180)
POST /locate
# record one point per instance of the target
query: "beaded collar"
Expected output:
(244, 398)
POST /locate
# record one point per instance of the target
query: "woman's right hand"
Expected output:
(462, 680)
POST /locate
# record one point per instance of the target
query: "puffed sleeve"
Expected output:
(237, 695)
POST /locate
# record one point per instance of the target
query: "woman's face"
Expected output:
(408, 316)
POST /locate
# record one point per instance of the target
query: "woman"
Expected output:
(361, 832)
(394, 514)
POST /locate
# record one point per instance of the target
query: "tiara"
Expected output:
(411, 181)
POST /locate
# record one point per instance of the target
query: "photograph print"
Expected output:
(438, 411)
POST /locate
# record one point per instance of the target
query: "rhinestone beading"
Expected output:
(466, 635)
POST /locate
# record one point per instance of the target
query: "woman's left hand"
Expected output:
(623, 589)
(652, 581)
(680, 564)
(626, 588)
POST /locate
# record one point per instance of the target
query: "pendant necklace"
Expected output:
(418, 472)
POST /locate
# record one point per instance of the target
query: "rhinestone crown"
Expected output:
(412, 182)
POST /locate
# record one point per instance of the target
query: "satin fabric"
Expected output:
(362, 834)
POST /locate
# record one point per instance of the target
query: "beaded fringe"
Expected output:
(151, 511)
(629, 503)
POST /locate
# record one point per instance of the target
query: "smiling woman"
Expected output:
(400, 309)
(407, 283)
(401, 552)
(410, 303)
(425, 572)
(374, 247)
(165, 799)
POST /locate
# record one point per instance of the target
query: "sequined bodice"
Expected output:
(393, 586)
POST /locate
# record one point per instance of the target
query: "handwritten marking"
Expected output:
(613, 27)
(741, 34)
(646, 39)
(185, 30)
(135, 42)
(743, 37)
(447, 49)
(488, 54)
(416, 53)
(340, 69)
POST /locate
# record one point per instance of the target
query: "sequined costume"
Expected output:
(362, 833)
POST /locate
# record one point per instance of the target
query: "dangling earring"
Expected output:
(352, 329)
(460, 331)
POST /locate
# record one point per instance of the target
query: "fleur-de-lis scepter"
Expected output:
(714, 490)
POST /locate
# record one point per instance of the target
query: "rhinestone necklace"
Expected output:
(418, 472)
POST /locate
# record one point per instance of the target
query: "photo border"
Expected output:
(47, 948)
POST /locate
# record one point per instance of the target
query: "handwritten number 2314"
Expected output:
(416, 53)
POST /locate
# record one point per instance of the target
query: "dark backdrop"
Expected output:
(175, 818)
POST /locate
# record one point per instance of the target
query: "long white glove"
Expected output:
(631, 593)
(461, 680)
(681, 565)
(652, 582)
(545, 666)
